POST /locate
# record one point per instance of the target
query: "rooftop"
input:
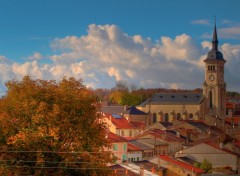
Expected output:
(140, 145)
(120, 122)
(175, 98)
(151, 141)
(113, 109)
(114, 138)
(181, 164)
(119, 170)
(134, 111)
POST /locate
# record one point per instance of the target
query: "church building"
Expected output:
(210, 105)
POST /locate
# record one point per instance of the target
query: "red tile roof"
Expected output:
(236, 120)
(230, 105)
(114, 138)
(181, 164)
(120, 123)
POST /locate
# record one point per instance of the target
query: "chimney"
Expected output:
(141, 170)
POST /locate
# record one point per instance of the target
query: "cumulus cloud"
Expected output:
(106, 54)
(109, 50)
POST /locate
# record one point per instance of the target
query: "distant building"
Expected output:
(210, 105)
(119, 125)
(118, 147)
(135, 115)
(135, 153)
(217, 155)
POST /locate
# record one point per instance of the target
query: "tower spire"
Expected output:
(214, 54)
(215, 38)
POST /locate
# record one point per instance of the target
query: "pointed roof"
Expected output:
(214, 54)
(215, 39)
(134, 111)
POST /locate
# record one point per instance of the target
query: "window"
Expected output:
(166, 117)
(154, 117)
(130, 133)
(178, 116)
(190, 115)
(211, 68)
(115, 147)
(124, 157)
(210, 100)
(122, 133)
(137, 158)
(124, 147)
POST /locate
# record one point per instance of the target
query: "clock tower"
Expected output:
(214, 87)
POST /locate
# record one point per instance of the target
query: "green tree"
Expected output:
(130, 99)
(51, 128)
(206, 165)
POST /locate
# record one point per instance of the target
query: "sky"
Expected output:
(147, 43)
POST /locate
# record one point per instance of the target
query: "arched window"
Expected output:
(154, 117)
(178, 116)
(191, 115)
(210, 100)
(166, 117)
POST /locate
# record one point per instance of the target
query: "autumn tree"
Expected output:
(51, 128)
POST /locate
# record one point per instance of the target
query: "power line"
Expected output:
(76, 168)
(51, 162)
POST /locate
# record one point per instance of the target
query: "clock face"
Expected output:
(211, 77)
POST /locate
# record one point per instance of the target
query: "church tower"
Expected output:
(214, 87)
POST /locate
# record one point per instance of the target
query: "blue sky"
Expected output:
(150, 43)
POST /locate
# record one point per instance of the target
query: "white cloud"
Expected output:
(201, 22)
(35, 56)
(230, 32)
(182, 48)
(106, 54)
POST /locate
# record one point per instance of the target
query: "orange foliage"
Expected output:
(51, 124)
